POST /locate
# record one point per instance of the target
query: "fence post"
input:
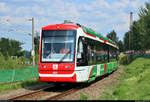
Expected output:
(13, 75)
(32, 72)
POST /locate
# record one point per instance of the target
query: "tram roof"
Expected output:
(97, 35)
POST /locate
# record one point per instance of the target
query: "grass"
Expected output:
(22, 84)
(83, 96)
(134, 83)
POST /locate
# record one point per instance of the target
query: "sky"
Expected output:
(101, 15)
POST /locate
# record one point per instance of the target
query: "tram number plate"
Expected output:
(55, 66)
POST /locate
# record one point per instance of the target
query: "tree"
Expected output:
(4, 45)
(144, 11)
(126, 41)
(10, 47)
(37, 42)
(113, 36)
(136, 37)
(144, 29)
(140, 31)
(121, 46)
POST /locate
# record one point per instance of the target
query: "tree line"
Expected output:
(10, 48)
(139, 33)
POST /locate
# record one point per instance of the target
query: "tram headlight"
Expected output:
(68, 66)
(43, 66)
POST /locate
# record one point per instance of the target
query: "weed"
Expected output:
(10, 63)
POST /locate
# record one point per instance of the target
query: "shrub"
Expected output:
(10, 63)
(2, 60)
(123, 59)
(126, 59)
(131, 58)
(37, 58)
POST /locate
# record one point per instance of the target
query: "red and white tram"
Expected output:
(73, 53)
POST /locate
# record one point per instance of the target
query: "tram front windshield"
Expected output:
(58, 45)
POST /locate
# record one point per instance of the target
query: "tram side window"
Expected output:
(91, 50)
(97, 52)
(113, 56)
(102, 53)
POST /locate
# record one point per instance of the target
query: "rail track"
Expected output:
(53, 92)
(50, 92)
(24, 96)
(56, 97)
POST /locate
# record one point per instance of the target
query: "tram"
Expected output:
(70, 52)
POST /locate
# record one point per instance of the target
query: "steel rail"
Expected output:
(28, 94)
(59, 96)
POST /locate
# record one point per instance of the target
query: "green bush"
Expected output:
(37, 58)
(2, 60)
(131, 58)
(10, 63)
(123, 59)
(126, 59)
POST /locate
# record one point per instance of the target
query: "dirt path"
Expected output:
(95, 90)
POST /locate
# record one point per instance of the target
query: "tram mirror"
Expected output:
(80, 47)
(79, 55)
(84, 41)
(83, 38)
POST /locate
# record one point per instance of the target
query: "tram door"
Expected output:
(82, 52)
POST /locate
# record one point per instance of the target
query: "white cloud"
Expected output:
(85, 7)
(10, 20)
(3, 7)
(122, 27)
(101, 4)
(136, 3)
(121, 4)
(21, 11)
(100, 15)
(37, 9)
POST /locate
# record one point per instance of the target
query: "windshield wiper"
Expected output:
(64, 56)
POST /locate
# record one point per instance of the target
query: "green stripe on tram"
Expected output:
(102, 69)
(99, 36)
(93, 74)
(111, 66)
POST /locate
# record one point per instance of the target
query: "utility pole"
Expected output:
(130, 33)
(33, 52)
